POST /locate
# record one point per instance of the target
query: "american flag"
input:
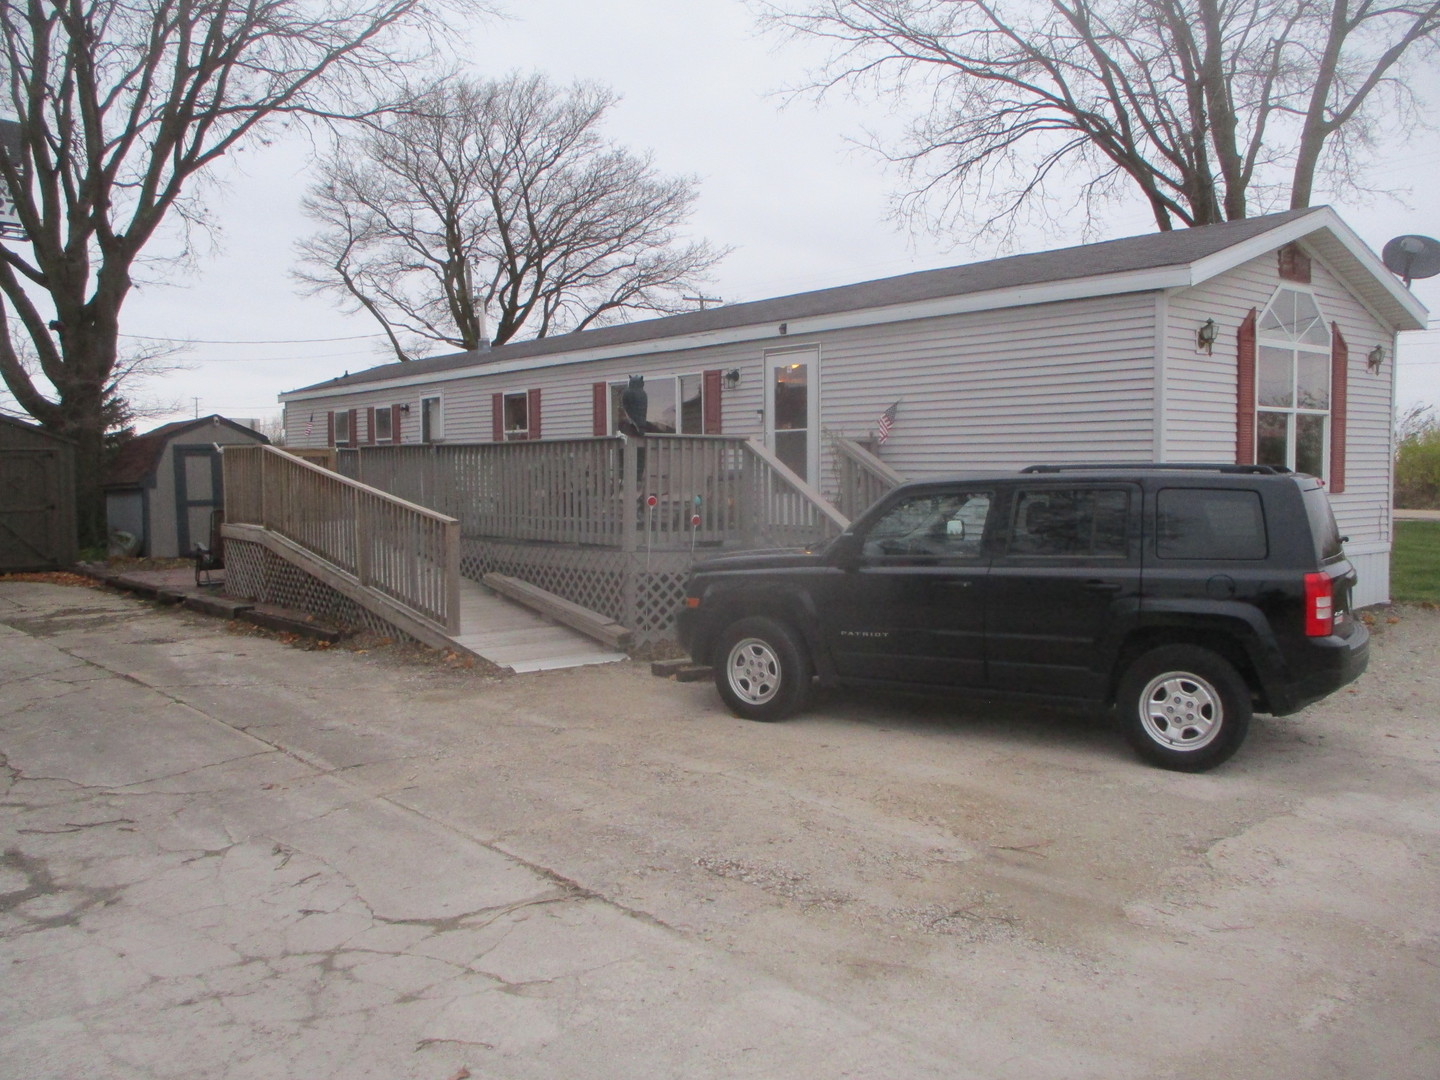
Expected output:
(309, 425)
(886, 419)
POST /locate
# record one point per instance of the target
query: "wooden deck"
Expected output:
(514, 637)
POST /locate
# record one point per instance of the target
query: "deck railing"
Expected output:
(863, 477)
(404, 551)
(659, 492)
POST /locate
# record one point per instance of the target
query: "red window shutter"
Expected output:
(1339, 397)
(370, 425)
(1245, 392)
(599, 410)
(329, 429)
(395, 415)
(497, 417)
(710, 389)
(1294, 264)
(532, 410)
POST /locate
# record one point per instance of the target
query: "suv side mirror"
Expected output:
(845, 551)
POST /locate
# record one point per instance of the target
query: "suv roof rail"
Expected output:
(1196, 466)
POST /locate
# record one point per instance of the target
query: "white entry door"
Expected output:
(792, 408)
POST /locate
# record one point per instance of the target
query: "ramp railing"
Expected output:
(407, 553)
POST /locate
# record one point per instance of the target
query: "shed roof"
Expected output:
(139, 457)
(1151, 261)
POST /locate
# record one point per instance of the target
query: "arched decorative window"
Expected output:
(1293, 392)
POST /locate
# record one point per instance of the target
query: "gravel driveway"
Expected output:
(885, 886)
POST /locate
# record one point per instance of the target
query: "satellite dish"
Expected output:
(1412, 257)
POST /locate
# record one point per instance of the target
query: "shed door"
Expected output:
(29, 514)
(792, 409)
(199, 492)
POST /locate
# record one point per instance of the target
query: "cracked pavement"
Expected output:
(225, 857)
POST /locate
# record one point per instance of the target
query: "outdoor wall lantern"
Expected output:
(1374, 358)
(1206, 335)
(732, 378)
(405, 408)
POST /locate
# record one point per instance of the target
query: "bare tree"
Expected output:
(120, 106)
(499, 196)
(1207, 108)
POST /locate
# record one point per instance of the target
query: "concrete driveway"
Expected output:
(227, 857)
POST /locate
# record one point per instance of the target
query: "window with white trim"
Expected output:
(516, 413)
(342, 427)
(382, 424)
(674, 403)
(1292, 411)
(432, 420)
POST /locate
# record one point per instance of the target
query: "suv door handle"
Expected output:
(1103, 586)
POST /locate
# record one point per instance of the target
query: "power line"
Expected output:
(264, 359)
(272, 341)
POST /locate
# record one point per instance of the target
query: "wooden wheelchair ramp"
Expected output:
(512, 636)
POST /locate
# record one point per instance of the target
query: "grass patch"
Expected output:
(1415, 562)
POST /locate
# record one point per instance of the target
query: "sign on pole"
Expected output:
(10, 148)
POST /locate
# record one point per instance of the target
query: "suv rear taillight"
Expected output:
(1319, 605)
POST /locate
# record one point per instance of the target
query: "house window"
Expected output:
(382, 424)
(1292, 414)
(517, 415)
(432, 425)
(674, 403)
(342, 428)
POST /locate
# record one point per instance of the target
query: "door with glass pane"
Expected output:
(792, 408)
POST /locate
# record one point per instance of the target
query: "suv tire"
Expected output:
(1184, 707)
(764, 671)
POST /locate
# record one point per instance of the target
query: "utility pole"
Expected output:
(703, 300)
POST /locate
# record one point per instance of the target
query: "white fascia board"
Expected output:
(1134, 281)
(1323, 217)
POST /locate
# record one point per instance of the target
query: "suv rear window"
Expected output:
(1209, 523)
(1322, 524)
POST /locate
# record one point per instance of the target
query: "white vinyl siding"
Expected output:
(1063, 381)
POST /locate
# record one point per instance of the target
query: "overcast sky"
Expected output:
(778, 184)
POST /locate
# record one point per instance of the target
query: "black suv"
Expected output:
(1187, 596)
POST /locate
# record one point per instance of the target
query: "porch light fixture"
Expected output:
(732, 378)
(1374, 358)
(405, 408)
(1206, 335)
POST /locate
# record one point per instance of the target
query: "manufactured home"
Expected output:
(1266, 340)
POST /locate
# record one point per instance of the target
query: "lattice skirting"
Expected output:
(638, 591)
(253, 572)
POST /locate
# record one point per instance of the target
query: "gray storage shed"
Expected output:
(37, 498)
(164, 485)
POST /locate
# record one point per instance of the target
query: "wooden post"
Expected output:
(452, 577)
(262, 474)
(629, 508)
(363, 537)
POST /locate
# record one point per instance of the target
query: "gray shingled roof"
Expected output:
(1152, 251)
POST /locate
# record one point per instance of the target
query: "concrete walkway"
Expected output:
(1417, 515)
